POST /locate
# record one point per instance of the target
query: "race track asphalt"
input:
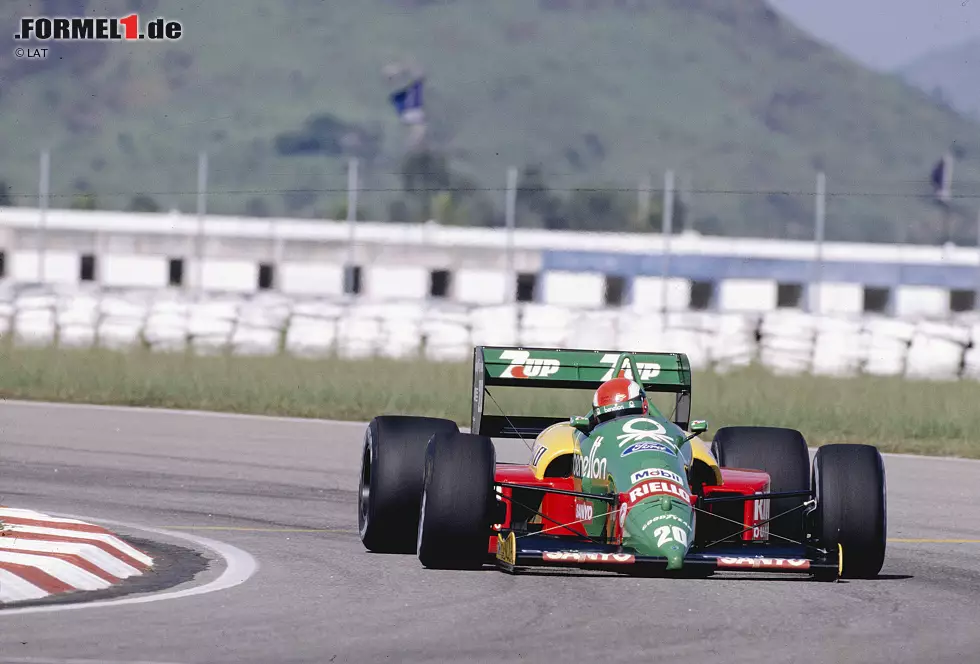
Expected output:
(285, 492)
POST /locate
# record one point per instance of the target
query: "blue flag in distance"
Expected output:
(408, 102)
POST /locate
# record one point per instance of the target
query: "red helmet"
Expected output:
(617, 397)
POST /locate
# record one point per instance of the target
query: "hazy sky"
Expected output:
(886, 34)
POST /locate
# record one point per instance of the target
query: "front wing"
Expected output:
(514, 554)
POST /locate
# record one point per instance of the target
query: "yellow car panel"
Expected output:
(555, 441)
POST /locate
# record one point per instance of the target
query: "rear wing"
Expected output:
(576, 369)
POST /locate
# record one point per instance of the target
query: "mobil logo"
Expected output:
(657, 488)
(655, 474)
(522, 365)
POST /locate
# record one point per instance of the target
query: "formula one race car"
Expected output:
(623, 489)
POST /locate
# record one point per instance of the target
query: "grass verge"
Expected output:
(896, 415)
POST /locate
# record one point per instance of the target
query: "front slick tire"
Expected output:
(457, 499)
(849, 482)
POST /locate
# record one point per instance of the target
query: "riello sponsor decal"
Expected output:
(763, 563)
(657, 488)
(589, 557)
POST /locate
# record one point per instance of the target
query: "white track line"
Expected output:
(240, 566)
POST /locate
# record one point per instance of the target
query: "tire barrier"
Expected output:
(786, 341)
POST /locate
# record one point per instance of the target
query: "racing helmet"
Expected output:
(618, 397)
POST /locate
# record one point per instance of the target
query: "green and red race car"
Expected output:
(629, 490)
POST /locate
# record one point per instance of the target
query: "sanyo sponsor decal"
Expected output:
(762, 563)
(522, 365)
(588, 557)
(590, 467)
(655, 474)
(583, 511)
(647, 370)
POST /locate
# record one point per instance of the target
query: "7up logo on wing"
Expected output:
(647, 370)
(522, 365)
(590, 467)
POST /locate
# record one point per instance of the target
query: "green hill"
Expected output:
(950, 76)
(595, 93)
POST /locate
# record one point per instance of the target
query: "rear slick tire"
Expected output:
(784, 455)
(454, 524)
(849, 485)
(392, 464)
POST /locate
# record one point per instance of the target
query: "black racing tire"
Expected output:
(455, 518)
(784, 455)
(390, 492)
(849, 485)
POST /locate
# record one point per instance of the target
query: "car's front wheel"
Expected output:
(455, 516)
(849, 486)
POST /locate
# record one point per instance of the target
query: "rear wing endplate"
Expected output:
(575, 369)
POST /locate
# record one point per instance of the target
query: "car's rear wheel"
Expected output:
(849, 484)
(783, 454)
(390, 490)
(457, 501)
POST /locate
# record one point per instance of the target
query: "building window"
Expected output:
(876, 300)
(789, 296)
(526, 286)
(175, 272)
(702, 295)
(352, 280)
(962, 300)
(267, 276)
(439, 281)
(87, 272)
(614, 291)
